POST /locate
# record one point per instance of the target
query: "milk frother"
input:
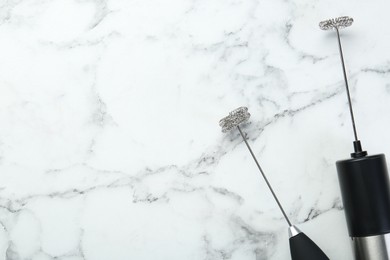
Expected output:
(364, 184)
(301, 246)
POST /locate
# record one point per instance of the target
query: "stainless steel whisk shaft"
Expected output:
(337, 24)
(233, 120)
(265, 178)
(346, 85)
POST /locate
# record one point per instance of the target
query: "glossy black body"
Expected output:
(365, 190)
(303, 248)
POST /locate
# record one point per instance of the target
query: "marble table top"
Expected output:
(110, 147)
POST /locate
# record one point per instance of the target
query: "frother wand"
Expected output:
(336, 24)
(301, 246)
(364, 184)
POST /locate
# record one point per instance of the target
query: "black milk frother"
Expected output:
(301, 246)
(364, 184)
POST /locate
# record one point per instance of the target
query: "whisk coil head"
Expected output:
(339, 23)
(235, 118)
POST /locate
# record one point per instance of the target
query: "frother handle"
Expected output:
(303, 248)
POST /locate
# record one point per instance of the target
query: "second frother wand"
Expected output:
(301, 246)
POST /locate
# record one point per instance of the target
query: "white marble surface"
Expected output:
(110, 147)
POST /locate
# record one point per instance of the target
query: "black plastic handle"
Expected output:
(303, 248)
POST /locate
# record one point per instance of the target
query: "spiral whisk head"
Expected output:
(339, 22)
(236, 117)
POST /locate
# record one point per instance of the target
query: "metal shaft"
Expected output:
(265, 178)
(346, 85)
